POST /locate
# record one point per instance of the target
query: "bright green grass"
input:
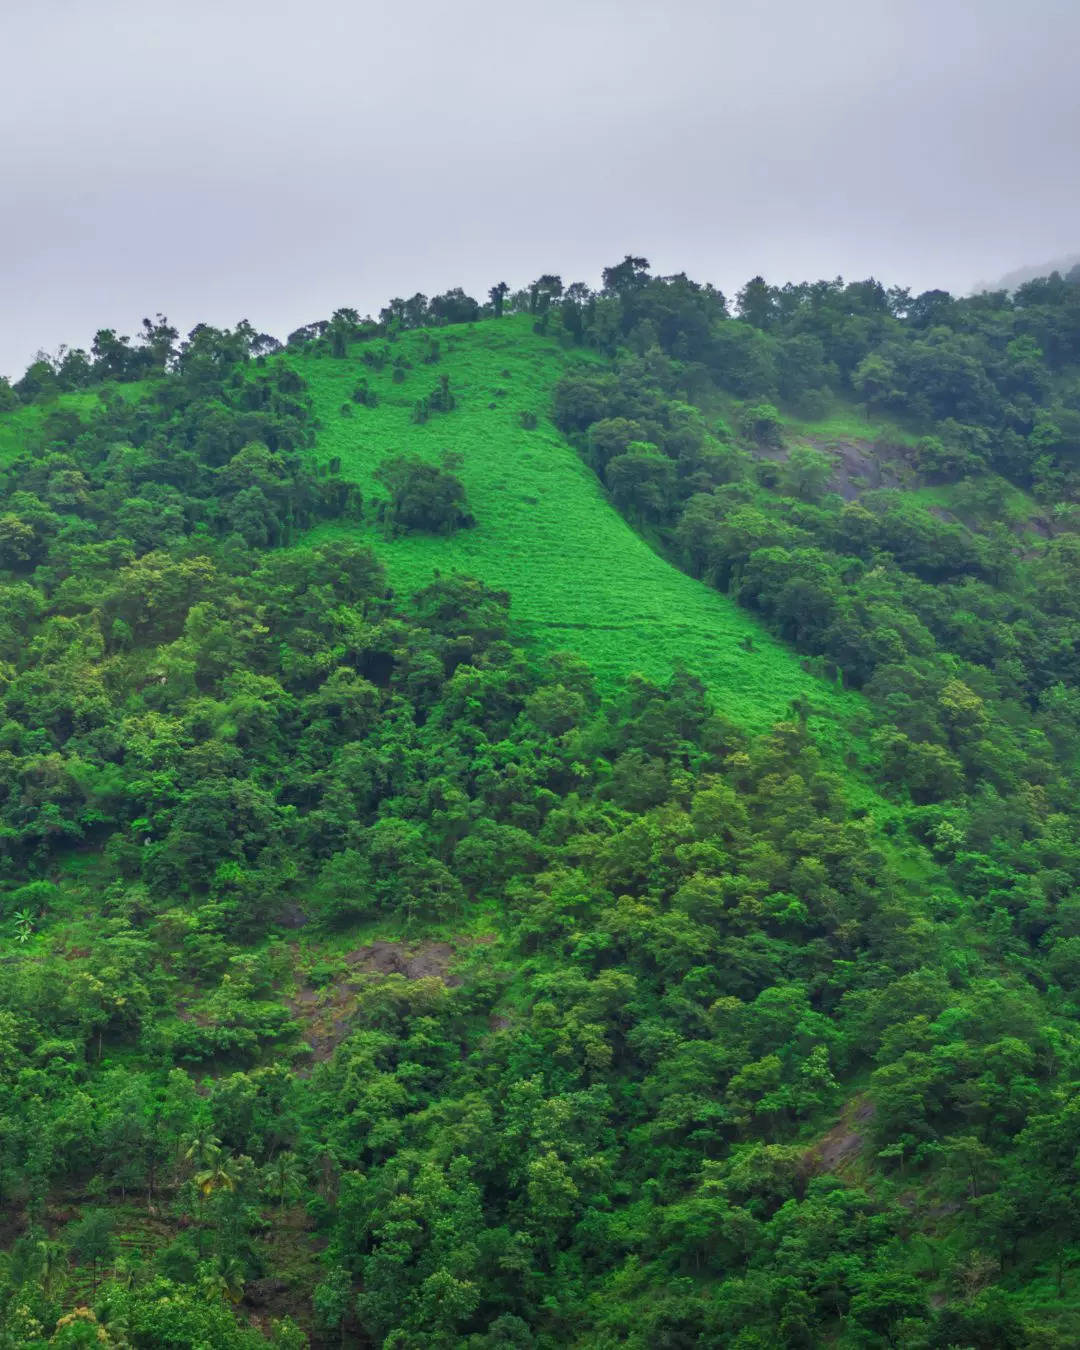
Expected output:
(20, 426)
(579, 576)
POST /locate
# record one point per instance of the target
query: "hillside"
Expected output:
(546, 823)
(579, 576)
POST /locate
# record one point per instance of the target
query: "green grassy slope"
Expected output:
(580, 578)
(20, 427)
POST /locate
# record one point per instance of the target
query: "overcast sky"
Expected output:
(275, 160)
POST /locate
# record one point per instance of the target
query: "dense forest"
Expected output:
(379, 970)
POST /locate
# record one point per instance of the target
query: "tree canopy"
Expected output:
(373, 977)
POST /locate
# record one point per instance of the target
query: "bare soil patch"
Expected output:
(858, 466)
(840, 1148)
(326, 1013)
(415, 962)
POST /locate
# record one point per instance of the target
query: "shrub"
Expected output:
(760, 423)
(423, 496)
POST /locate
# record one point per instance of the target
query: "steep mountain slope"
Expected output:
(373, 966)
(579, 577)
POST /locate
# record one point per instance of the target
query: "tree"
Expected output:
(158, 343)
(762, 424)
(884, 1300)
(642, 481)
(543, 292)
(757, 303)
(423, 496)
(333, 1301)
(341, 330)
(629, 275)
(807, 473)
(497, 296)
(875, 382)
(113, 355)
(91, 1240)
(453, 307)
(611, 436)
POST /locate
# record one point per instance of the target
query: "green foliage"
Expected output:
(422, 497)
(91, 1239)
(544, 530)
(762, 424)
(379, 971)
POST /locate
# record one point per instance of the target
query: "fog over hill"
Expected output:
(1011, 280)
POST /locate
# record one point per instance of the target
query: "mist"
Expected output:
(275, 161)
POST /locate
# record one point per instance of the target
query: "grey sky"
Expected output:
(275, 160)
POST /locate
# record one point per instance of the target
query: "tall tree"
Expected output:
(497, 296)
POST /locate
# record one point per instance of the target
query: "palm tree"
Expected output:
(202, 1150)
(225, 1280)
(283, 1177)
(200, 1147)
(221, 1173)
(52, 1266)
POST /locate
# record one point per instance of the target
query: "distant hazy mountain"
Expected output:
(1011, 280)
